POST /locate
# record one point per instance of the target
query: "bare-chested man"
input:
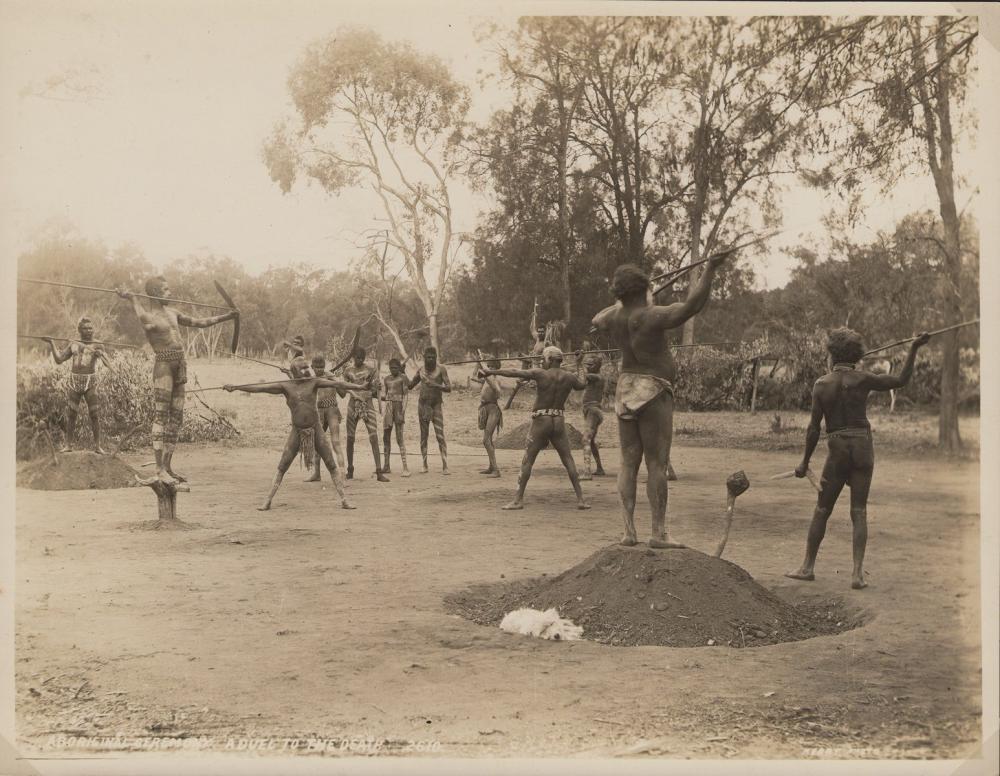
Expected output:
(396, 387)
(361, 407)
(82, 381)
(548, 423)
(434, 383)
(329, 415)
(490, 414)
(307, 433)
(162, 326)
(644, 397)
(593, 415)
(840, 398)
(295, 348)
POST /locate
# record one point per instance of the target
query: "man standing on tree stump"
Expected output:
(644, 397)
(840, 398)
(161, 324)
(82, 381)
(361, 407)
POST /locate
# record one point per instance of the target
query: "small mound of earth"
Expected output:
(78, 470)
(632, 596)
(517, 437)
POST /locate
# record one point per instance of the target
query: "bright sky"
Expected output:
(143, 122)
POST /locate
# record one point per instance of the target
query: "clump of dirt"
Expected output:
(78, 470)
(517, 437)
(631, 596)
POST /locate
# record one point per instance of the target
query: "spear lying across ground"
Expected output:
(931, 333)
(113, 291)
(86, 342)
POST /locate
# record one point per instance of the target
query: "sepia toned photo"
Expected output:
(532, 387)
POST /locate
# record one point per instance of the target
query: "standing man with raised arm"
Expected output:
(593, 415)
(329, 415)
(161, 324)
(644, 397)
(490, 414)
(840, 398)
(82, 381)
(548, 422)
(306, 434)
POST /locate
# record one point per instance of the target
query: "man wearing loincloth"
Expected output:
(840, 398)
(329, 415)
(490, 414)
(644, 396)
(162, 326)
(548, 422)
(434, 383)
(593, 414)
(361, 407)
(396, 387)
(82, 381)
(307, 433)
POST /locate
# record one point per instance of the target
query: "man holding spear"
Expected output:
(840, 398)
(307, 433)
(82, 381)
(161, 324)
(644, 397)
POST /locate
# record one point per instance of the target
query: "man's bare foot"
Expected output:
(513, 505)
(312, 478)
(629, 540)
(486, 471)
(345, 504)
(381, 477)
(177, 477)
(264, 507)
(666, 544)
(803, 575)
(424, 469)
(600, 473)
(495, 474)
(100, 450)
(147, 480)
(586, 476)
(163, 475)
(858, 583)
(445, 470)
(582, 505)
(406, 472)
(350, 473)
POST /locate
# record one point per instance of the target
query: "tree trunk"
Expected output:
(432, 327)
(563, 237)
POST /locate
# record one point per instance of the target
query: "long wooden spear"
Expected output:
(674, 275)
(86, 342)
(256, 361)
(250, 385)
(113, 291)
(586, 352)
(931, 333)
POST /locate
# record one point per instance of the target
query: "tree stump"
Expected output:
(166, 504)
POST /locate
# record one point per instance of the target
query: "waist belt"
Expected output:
(549, 412)
(587, 404)
(489, 403)
(324, 403)
(81, 381)
(169, 355)
(849, 432)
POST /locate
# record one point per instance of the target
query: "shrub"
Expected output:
(126, 394)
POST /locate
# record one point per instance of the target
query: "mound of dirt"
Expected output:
(78, 470)
(517, 437)
(630, 596)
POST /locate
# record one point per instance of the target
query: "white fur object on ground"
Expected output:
(542, 625)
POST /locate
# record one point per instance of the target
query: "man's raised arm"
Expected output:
(519, 374)
(57, 355)
(674, 315)
(141, 314)
(261, 388)
(892, 382)
(204, 323)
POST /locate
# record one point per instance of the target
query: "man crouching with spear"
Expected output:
(307, 433)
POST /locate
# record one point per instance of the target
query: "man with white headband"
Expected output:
(548, 422)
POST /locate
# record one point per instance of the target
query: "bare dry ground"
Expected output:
(309, 622)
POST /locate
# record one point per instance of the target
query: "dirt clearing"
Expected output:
(78, 470)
